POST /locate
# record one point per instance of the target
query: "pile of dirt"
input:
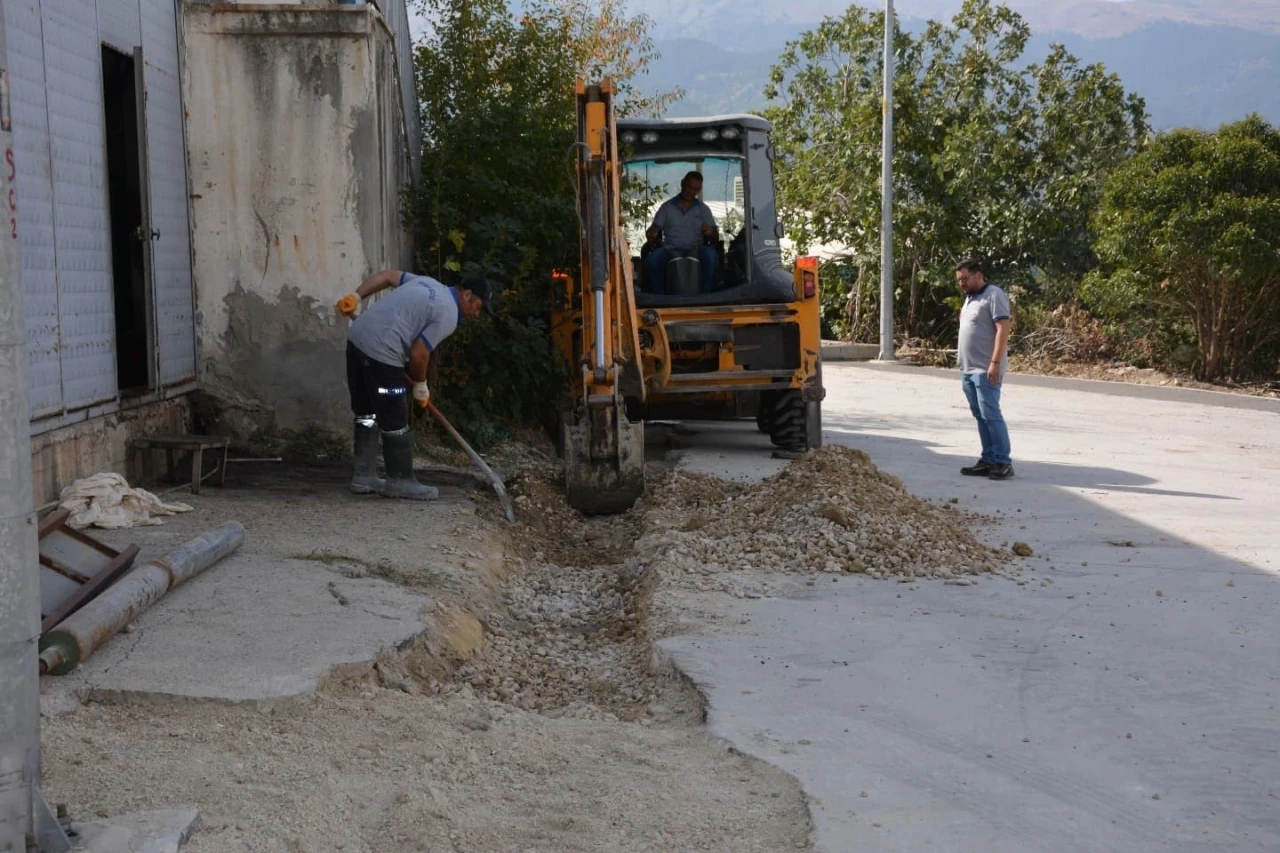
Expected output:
(831, 511)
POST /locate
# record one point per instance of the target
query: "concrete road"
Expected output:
(1132, 705)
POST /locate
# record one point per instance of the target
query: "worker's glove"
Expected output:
(421, 394)
(348, 305)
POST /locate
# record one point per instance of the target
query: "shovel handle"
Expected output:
(479, 463)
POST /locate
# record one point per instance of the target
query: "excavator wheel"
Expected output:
(787, 426)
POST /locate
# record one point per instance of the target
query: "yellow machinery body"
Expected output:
(751, 348)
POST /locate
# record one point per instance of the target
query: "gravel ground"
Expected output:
(537, 717)
(374, 771)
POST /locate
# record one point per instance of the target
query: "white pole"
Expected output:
(26, 823)
(19, 555)
(886, 195)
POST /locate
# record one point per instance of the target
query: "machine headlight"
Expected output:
(710, 135)
(729, 133)
(628, 136)
(649, 137)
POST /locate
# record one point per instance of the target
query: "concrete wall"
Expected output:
(99, 444)
(298, 155)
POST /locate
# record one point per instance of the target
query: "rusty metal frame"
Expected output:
(119, 562)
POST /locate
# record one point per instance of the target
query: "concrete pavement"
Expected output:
(324, 582)
(1130, 704)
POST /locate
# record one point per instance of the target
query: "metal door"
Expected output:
(86, 308)
(166, 168)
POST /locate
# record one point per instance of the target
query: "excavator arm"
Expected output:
(604, 451)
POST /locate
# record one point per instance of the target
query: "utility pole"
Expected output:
(886, 195)
(25, 823)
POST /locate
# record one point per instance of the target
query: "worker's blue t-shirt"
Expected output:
(682, 229)
(978, 318)
(420, 307)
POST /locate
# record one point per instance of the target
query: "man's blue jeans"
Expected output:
(655, 267)
(984, 402)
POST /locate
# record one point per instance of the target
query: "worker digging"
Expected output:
(389, 348)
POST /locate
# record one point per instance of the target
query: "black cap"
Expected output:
(482, 288)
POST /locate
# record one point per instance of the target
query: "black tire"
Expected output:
(787, 431)
(764, 411)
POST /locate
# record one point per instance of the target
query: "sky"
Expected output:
(418, 23)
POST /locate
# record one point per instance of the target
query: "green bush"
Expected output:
(497, 196)
(1189, 240)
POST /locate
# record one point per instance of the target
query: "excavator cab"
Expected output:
(733, 156)
(652, 329)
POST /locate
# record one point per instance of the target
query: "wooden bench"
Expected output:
(196, 445)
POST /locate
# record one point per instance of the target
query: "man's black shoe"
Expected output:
(1000, 472)
(981, 468)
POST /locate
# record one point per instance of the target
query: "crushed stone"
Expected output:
(831, 511)
(575, 636)
(571, 639)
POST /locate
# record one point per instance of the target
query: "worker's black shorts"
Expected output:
(377, 389)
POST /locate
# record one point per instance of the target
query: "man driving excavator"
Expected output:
(403, 328)
(683, 225)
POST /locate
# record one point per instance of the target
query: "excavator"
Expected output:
(738, 341)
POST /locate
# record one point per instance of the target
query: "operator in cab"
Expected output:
(684, 226)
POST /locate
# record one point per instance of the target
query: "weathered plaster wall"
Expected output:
(297, 158)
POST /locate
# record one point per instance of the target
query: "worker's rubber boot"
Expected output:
(397, 451)
(365, 479)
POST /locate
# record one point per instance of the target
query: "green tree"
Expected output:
(1189, 233)
(497, 197)
(995, 157)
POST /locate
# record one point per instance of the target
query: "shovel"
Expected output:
(480, 463)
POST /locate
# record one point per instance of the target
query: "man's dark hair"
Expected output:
(969, 265)
(691, 176)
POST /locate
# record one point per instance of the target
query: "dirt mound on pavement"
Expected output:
(830, 511)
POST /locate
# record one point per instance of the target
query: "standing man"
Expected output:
(386, 345)
(984, 359)
(682, 224)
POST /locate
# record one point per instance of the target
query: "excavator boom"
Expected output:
(604, 451)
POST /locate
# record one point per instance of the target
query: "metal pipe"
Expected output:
(85, 631)
(598, 257)
(599, 313)
(886, 195)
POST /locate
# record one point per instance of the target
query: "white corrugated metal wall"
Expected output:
(397, 16)
(167, 166)
(62, 214)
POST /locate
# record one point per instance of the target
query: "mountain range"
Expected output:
(1198, 63)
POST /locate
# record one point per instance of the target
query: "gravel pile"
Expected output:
(831, 511)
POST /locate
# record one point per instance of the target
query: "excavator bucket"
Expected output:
(604, 461)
